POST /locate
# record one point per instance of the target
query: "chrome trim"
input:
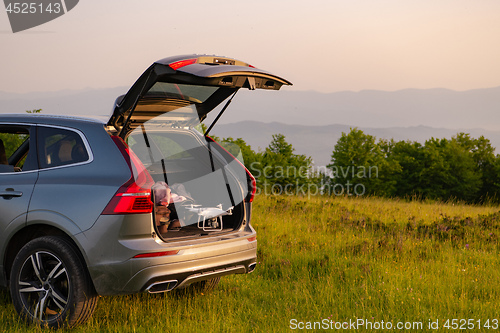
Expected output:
(168, 283)
(18, 172)
(17, 124)
(252, 267)
(80, 133)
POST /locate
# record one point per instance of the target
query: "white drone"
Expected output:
(207, 213)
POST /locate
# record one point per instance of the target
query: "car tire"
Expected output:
(49, 284)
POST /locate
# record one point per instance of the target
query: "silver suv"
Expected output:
(140, 202)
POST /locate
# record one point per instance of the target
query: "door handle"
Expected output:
(9, 193)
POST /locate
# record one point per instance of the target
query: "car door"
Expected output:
(18, 174)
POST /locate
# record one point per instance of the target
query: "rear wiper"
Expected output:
(220, 114)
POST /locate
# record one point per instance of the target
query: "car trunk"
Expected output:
(200, 189)
(208, 189)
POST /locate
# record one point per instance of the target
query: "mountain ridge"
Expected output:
(319, 141)
(413, 114)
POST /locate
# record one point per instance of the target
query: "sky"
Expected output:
(326, 46)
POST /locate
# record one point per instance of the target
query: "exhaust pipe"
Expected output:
(161, 287)
(251, 267)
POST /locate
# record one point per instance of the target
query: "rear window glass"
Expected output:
(161, 146)
(183, 157)
(193, 93)
(57, 146)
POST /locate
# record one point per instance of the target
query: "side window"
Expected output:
(57, 146)
(15, 149)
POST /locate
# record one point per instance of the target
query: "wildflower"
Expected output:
(466, 246)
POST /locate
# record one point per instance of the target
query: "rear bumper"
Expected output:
(137, 275)
(185, 273)
(114, 270)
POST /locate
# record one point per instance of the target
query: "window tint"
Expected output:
(158, 147)
(193, 93)
(58, 147)
(14, 149)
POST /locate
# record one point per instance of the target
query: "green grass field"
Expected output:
(337, 260)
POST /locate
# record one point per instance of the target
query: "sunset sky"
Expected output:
(326, 46)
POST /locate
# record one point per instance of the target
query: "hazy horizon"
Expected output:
(438, 108)
(286, 87)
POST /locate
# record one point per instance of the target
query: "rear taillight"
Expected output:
(156, 254)
(133, 197)
(252, 186)
(251, 183)
(178, 64)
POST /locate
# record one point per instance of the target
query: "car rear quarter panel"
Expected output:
(74, 196)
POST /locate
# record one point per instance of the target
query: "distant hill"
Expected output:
(88, 102)
(439, 108)
(305, 117)
(319, 141)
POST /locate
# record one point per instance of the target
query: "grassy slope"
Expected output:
(336, 258)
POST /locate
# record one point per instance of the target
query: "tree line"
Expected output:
(461, 168)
